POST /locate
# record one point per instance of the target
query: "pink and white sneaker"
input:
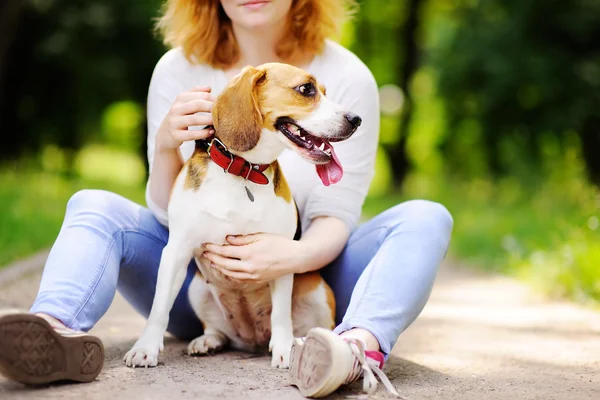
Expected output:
(322, 361)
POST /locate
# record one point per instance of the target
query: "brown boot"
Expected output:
(33, 352)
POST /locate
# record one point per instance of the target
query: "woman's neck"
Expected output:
(257, 46)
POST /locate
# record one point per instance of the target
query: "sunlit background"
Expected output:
(491, 107)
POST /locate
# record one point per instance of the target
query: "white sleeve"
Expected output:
(344, 200)
(164, 88)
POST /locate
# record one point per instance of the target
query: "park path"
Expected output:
(480, 337)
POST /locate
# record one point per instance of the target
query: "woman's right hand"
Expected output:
(183, 113)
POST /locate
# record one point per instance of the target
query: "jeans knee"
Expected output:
(98, 210)
(428, 213)
(92, 200)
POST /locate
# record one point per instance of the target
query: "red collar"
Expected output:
(236, 165)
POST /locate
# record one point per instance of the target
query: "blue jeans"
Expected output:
(381, 281)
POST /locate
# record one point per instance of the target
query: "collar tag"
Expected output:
(249, 194)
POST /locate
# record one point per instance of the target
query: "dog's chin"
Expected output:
(315, 149)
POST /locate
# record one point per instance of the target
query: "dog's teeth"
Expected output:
(322, 147)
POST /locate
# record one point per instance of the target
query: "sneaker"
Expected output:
(322, 361)
(33, 352)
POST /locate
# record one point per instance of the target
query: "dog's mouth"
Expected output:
(317, 150)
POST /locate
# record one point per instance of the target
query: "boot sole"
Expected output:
(320, 365)
(31, 352)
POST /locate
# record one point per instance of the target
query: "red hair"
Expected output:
(204, 32)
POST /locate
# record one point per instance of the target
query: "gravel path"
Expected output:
(480, 337)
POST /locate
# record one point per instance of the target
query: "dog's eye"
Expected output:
(307, 90)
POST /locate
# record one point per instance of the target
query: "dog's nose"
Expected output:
(353, 119)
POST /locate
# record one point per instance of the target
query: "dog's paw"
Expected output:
(280, 353)
(144, 353)
(209, 343)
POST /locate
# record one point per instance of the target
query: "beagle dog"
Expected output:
(261, 112)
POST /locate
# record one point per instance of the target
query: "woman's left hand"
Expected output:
(257, 257)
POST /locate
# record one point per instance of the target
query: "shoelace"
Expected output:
(368, 370)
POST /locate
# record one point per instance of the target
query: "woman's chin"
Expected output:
(257, 21)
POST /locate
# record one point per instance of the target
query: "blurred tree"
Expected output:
(409, 54)
(9, 16)
(66, 62)
(516, 71)
(387, 43)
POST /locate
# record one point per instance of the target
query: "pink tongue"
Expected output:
(331, 172)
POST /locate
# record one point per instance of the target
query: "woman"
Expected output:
(381, 271)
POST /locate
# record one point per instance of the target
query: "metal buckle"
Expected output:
(250, 167)
(210, 145)
(221, 143)
(230, 162)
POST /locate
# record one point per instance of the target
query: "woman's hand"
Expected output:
(184, 113)
(258, 257)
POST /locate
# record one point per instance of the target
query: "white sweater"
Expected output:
(348, 82)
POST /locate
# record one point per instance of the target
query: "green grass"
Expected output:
(546, 233)
(33, 206)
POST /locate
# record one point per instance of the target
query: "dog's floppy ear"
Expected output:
(236, 115)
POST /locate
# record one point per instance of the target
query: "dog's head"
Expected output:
(267, 108)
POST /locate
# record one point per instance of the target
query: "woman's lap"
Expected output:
(416, 221)
(125, 242)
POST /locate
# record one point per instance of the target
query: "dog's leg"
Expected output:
(210, 343)
(171, 274)
(204, 305)
(282, 333)
(313, 304)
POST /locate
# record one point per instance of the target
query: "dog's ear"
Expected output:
(236, 115)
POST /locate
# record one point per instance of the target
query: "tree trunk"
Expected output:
(409, 52)
(9, 18)
(590, 143)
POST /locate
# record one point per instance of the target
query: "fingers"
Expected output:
(201, 88)
(198, 92)
(184, 135)
(192, 106)
(230, 264)
(185, 121)
(243, 239)
(229, 267)
(226, 251)
(186, 97)
(240, 276)
(225, 262)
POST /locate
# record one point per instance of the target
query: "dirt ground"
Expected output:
(480, 337)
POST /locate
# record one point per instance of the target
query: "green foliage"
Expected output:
(548, 235)
(512, 71)
(122, 125)
(104, 163)
(33, 206)
(68, 60)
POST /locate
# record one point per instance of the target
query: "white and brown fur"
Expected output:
(207, 204)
